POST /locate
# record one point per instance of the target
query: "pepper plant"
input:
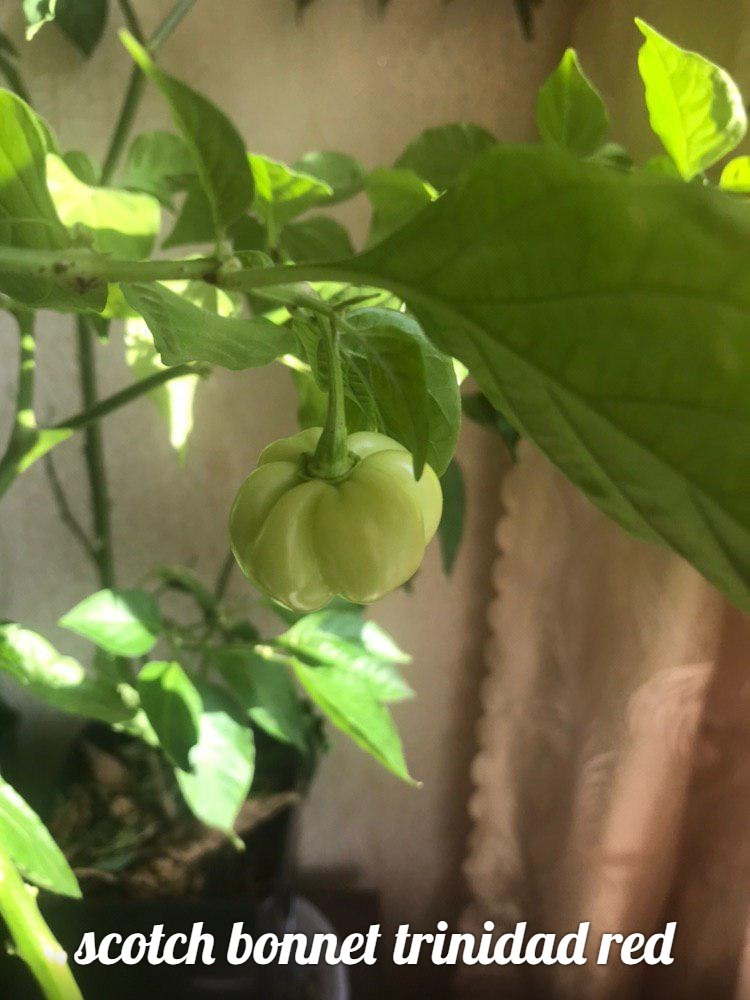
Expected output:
(601, 307)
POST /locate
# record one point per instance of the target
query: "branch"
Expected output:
(24, 431)
(66, 511)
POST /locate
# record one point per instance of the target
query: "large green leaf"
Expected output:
(694, 105)
(186, 332)
(31, 847)
(607, 315)
(347, 640)
(27, 213)
(59, 680)
(570, 112)
(222, 762)
(218, 150)
(443, 401)
(347, 700)
(440, 154)
(173, 707)
(265, 691)
(318, 238)
(122, 622)
(121, 223)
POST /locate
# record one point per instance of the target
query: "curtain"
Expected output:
(612, 781)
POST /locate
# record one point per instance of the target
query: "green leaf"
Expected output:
(217, 149)
(173, 707)
(185, 332)
(83, 22)
(451, 527)
(318, 238)
(313, 401)
(346, 640)
(31, 847)
(222, 762)
(122, 622)
(27, 214)
(396, 197)
(121, 223)
(346, 699)
(440, 154)
(195, 222)
(281, 192)
(82, 166)
(344, 175)
(694, 105)
(443, 401)
(622, 355)
(570, 112)
(8, 69)
(159, 164)
(184, 581)
(265, 691)
(736, 175)
(59, 680)
(174, 399)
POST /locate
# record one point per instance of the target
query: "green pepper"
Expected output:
(302, 538)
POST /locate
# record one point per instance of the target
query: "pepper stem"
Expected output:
(331, 458)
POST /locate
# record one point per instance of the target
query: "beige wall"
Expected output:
(343, 79)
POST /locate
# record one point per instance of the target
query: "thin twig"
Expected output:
(225, 574)
(66, 511)
(131, 20)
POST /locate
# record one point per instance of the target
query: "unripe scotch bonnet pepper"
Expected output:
(303, 539)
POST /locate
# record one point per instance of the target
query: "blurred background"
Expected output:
(347, 76)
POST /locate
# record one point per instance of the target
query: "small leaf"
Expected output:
(122, 622)
(82, 166)
(159, 164)
(396, 197)
(736, 175)
(478, 408)
(439, 155)
(264, 690)
(218, 150)
(31, 847)
(281, 192)
(694, 105)
(37, 13)
(61, 681)
(122, 223)
(443, 398)
(347, 640)
(570, 112)
(346, 699)
(83, 22)
(451, 527)
(341, 173)
(195, 223)
(173, 707)
(222, 762)
(318, 238)
(185, 332)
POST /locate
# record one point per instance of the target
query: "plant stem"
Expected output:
(32, 939)
(24, 429)
(137, 82)
(224, 576)
(331, 458)
(66, 511)
(94, 454)
(124, 396)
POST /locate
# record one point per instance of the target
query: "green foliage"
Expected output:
(186, 332)
(396, 196)
(570, 112)
(316, 238)
(694, 105)
(173, 707)
(60, 681)
(31, 847)
(451, 528)
(222, 762)
(159, 164)
(342, 174)
(121, 622)
(218, 151)
(83, 22)
(439, 155)
(121, 223)
(478, 408)
(282, 193)
(736, 175)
